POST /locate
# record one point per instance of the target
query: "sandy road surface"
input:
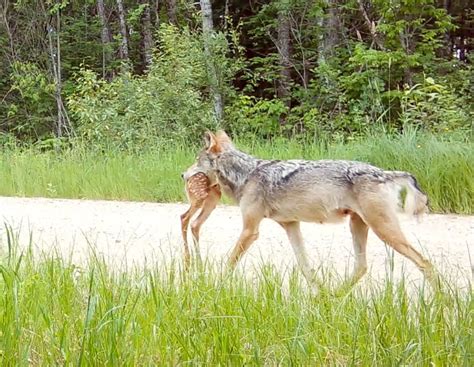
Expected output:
(127, 233)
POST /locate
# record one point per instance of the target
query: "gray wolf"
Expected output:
(202, 195)
(294, 191)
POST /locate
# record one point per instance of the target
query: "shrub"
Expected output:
(165, 105)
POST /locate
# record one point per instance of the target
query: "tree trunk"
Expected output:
(333, 27)
(226, 14)
(407, 43)
(330, 31)
(106, 37)
(172, 11)
(123, 31)
(147, 39)
(207, 30)
(6, 24)
(63, 124)
(284, 49)
(156, 14)
(447, 50)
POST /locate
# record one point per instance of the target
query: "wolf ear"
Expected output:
(212, 144)
(223, 138)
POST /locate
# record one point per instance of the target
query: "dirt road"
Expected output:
(127, 233)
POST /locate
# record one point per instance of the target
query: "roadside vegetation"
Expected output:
(444, 167)
(55, 312)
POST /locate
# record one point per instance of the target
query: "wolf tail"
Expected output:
(411, 199)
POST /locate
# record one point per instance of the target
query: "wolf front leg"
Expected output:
(293, 232)
(248, 235)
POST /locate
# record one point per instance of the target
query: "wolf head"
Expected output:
(215, 144)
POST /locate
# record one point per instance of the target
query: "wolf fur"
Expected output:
(294, 191)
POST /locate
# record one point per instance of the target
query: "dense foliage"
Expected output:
(132, 73)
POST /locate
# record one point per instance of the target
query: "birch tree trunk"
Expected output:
(123, 31)
(207, 30)
(283, 43)
(106, 37)
(147, 38)
(330, 31)
(63, 124)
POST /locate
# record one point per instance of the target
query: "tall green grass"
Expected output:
(55, 313)
(444, 168)
(79, 173)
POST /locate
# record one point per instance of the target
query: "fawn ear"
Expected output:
(208, 138)
(212, 144)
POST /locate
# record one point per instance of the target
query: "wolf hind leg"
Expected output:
(295, 237)
(382, 219)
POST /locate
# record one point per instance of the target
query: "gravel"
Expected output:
(148, 234)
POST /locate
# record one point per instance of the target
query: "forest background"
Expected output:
(128, 72)
(127, 88)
